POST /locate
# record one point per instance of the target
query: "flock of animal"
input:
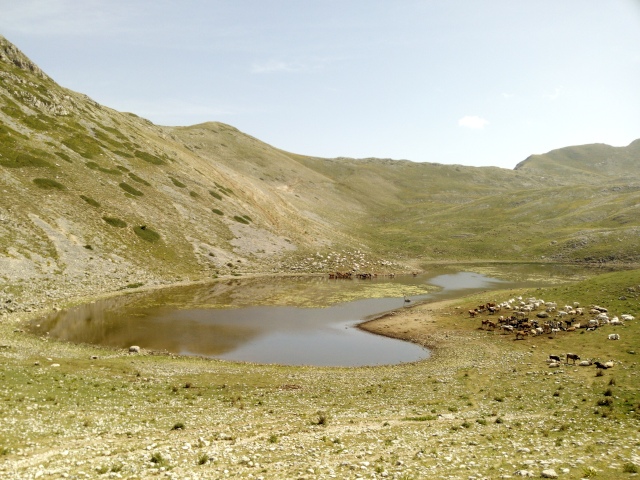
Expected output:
(549, 319)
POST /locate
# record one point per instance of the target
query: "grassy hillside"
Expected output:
(96, 199)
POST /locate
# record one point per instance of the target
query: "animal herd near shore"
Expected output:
(514, 316)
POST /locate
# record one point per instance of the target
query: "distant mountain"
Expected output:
(95, 200)
(586, 160)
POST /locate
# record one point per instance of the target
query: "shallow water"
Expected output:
(290, 321)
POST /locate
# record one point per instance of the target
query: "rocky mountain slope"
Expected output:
(95, 200)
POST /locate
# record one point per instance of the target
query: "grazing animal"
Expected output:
(572, 356)
(554, 358)
(614, 336)
(602, 366)
(585, 363)
(627, 317)
(520, 334)
(554, 365)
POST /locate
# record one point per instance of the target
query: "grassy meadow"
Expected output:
(483, 406)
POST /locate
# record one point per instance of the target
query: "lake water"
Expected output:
(289, 321)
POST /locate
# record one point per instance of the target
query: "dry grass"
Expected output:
(483, 405)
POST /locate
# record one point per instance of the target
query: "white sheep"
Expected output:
(626, 317)
(614, 336)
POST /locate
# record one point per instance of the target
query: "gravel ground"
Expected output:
(73, 411)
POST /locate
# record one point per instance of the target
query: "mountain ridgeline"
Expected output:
(96, 198)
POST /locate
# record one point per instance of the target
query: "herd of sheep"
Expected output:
(515, 318)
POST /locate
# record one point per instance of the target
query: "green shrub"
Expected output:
(241, 220)
(177, 182)
(115, 222)
(215, 194)
(90, 201)
(129, 189)
(64, 156)
(146, 234)
(95, 166)
(630, 468)
(178, 426)
(136, 178)
(14, 159)
(122, 154)
(158, 459)
(147, 157)
(217, 212)
(83, 145)
(605, 402)
(48, 184)
(194, 194)
(421, 418)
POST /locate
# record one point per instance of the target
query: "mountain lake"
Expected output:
(288, 320)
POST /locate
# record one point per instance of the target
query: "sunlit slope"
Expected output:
(586, 164)
(87, 190)
(92, 195)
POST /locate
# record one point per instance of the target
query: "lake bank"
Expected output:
(484, 405)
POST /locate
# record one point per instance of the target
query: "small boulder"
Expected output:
(134, 349)
(549, 473)
(523, 473)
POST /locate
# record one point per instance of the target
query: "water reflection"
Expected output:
(293, 321)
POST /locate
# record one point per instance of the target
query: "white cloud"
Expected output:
(274, 66)
(472, 121)
(553, 96)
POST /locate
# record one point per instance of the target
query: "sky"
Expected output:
(479, 83)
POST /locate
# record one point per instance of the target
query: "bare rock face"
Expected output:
(10, 53)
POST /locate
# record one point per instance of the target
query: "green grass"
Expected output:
(90, 201)
(110, 171)
(14, 159)
(64, 156)
(115, 222)
(84, 145)
(147, 234)
(177, 182)
(129, 189)
(149, 158)
(136, 178)
(49, 184)
(241, 220)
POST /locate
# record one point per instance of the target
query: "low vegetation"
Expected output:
(437, 417)
(485, 405)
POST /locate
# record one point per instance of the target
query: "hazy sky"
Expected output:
(466, 81)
